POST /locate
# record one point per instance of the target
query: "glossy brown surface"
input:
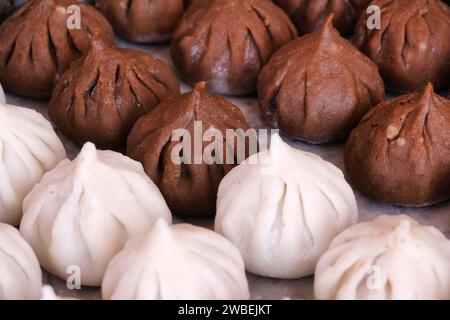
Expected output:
(226, 42)
(400, 151)
(317, 87)
(100, 97)
(36, 46)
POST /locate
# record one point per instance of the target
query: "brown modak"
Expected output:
(143, 20)
(412, 47)
(101, 95)
(189, 186)
(309, 15)
(36, 45)
(226, 42)
(317, 87)
(400, 152)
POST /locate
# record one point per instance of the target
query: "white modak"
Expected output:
(176, 262)
(83, 211)
(391, 257)
(28, 148)
(281, 208)
(20, 273)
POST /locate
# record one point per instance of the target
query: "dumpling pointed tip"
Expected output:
(88, 145)
(429, 88)
(161, 227)
(200, 86)
(327, 27)
(277, 146)
(276, 137)
(195, 95)
(427, 92)
(329, 20)
(97, 41)
(88, 149)
(402, 229)
(276, 141)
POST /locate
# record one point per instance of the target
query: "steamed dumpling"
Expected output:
(411, 47)
(20, 273)
(83, 211)
(101, 95)
(176, 262)
(399, 153)
(226, 42)
(36, 45)
(142, 20)
(391, 257)
(190, 189)
(28, 148)
(318, 87)
(283, 216)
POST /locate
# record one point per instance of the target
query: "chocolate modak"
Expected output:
(41, 39)
(400, 152)
(412, 47)
(188, 182)
(101, 95)
(142, 20)
(316, 88)
(226, 42)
